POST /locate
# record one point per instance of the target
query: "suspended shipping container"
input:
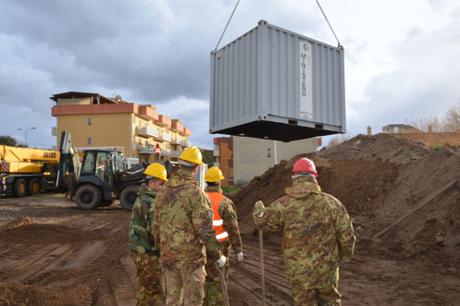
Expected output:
(275, 84)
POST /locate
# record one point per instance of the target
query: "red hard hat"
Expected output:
(304, 165)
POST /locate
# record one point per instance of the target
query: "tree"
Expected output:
(8, 140)
(208, 157)
(449, 123)
(452, 120)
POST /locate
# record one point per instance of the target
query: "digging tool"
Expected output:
(262, 268)
(224, 284)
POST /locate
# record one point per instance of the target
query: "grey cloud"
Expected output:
(145, 50)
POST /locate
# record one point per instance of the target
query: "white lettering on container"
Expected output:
(305, 70)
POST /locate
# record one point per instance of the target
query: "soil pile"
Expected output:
(25, 230)
(380, 179)
(379, 147)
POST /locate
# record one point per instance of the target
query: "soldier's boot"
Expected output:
(329, 296)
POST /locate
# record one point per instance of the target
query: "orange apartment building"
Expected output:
(140, 131)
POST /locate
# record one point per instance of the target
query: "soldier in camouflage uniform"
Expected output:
(143, 250)
(225, 225)
(182, 225)
(317, 232)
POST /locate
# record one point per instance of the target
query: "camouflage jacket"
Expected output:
(316, 228)
(227, 212)
(182, 223)
(141, 240)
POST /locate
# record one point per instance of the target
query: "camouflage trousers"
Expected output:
(184, 287)
(213, 287)
(148, 277)
(319, 295)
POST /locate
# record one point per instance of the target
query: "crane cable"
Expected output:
(330, 26)
(226, 26)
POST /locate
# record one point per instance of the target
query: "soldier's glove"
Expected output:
(259, 207)
(221, 262)
(239, 257)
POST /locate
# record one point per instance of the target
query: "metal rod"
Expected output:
(262, 267)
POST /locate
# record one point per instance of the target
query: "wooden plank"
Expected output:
(425, 201)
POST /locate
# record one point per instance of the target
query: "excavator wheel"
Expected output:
(33, 186)
(88, 196)
(128, 196)
(19, 187)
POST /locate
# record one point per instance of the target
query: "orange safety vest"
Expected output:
(217, 222)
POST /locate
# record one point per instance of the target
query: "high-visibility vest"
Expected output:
(217, 222)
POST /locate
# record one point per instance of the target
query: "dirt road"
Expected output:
(54, 254)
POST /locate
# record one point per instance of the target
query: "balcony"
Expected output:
(175, 140)
(145, 149)
(166, 136)
(166, 152)
(185, 143)
(175, 154)
(148, 132)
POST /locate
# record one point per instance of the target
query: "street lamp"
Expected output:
(26, 132)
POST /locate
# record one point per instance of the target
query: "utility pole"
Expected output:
(26, 131)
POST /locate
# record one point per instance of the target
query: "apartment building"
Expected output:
(243, 158)
(140, 131)
(399, 128)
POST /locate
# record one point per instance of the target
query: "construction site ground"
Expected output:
(403, 199)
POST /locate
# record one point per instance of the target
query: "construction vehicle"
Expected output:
(27, 171)
(93, 179)
(102, 177)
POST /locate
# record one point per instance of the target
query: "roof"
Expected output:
(80, 94)
(402, 126)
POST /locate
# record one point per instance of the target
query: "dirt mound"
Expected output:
(25, 230)
(381, 146)
(381, 179)
(360, 185)
(21, 295)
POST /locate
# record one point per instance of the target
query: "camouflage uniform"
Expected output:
(213, 287)
(317, 232)
(183, 228)
(143, 251)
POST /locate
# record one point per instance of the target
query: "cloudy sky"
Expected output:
(402, 57)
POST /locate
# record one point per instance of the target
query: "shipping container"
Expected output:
(275, 84)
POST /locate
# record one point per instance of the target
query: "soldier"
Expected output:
(182, 225)
(227, 231)
(317, 232)
(144, 252)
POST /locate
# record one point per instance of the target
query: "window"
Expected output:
(90, 140)
(88, 164)
(90, 121)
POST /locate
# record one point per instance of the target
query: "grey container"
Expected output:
(275, 84)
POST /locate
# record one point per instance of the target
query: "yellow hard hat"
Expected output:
(213, 175)
(192, 155)
(157, 170)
